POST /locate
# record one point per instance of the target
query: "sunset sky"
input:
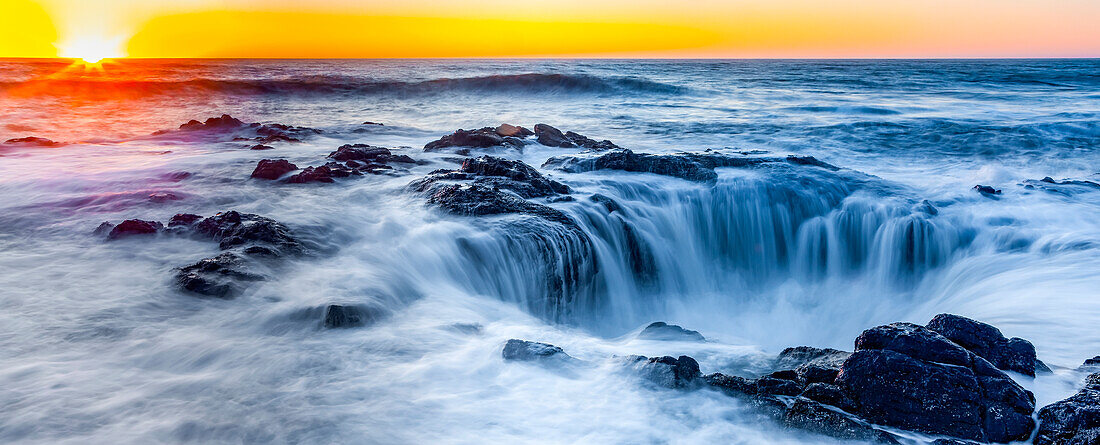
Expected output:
(540, 28)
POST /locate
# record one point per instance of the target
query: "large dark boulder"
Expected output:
(496, 173)
(794, 357)
(364, 154)
(1010, 354)
(132, 227)
(811, 416)
(222, 276)
(322, 174)
(669, 372)
(660, 330)
(910, 377)
(830, 395)
(273, 169)
(479, 200)
(668, 165)
(1073, 421)
(528, 351)
(481, 138)
(552, 137)
(233, 229)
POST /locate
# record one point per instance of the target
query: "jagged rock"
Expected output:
(829, 395)
(273, 168)
(522, 350)
(135, 227)
(225, 121)
(811, 416)
(479, 200)
(32, 141)
(312, 174)
(496, 173)
(368, 154)
(1091, 363)
(261, 133)
(344, 316)
(669, 372)
(1015, 354)
(480, 138)
(1073, 421)
(222, 276)
(986, 190)
(815, 373)
(183, 220)
(552, 137)
(907, 376)
(811, 161)
(660, 330)
(261, 147)
(777, 387)
(731, 385)
(793, 358)
(508, 130)
(233, 229)
(626, 160)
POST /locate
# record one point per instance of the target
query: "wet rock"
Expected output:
(552, 137)
(344, 316)
(1073, 421)
(481, 138)
(811, 161)
(479, 200)
(373, 123)
(731, 385)
(272, 169)
(261, 147)
(679, 372)
(1092, 363)
(498, 174)
(222, 276)
(798, 356)
(233, 229)
(679, 166)
(811, 416)
(522, 350)
(607, 202)
(829, 395)
(907, 376)
(134, 227)
(103, 229)
(986, 190)
(777, 386)
(183, 220)
(660, 330)
(312, 174)
(367, 154)
(508, 130)
(32, 141)
(238, 130)
(952, 442)
(225, 121)
(1015, 354)
(815, 373)
(163, 197)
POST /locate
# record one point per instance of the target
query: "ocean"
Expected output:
(99, 345)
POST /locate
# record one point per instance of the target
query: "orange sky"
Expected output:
(535, 28)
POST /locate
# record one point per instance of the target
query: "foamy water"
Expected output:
(98, 345)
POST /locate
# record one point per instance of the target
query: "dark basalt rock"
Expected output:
(241, 131)
(344, 316)
(798, 356)
(261, 147)
(32, 141)
(479, 200)
(134, 227)
(522, 350)
(481, 138)
(811, 416)
(1073, 421)
(829, 395)
(220, 276)
(811, 161)
(678, 166)
(907, 376)
(814, 373)
(498, 174)
(1091, 363)
(986, 190)
(183, 220)
(233, 229)
(273, 169)
(1015, 354)
(225, 121)
(366, 154)
(313, 174)
(669, 372)
(731, 385)
(952, 442)
(777, 387)
(509, 130)
(552, 137)
(660, 330)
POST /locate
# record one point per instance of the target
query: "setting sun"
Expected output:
(92, 49)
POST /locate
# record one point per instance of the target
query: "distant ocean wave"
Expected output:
(511, 83)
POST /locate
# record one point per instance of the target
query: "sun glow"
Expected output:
(92, 49)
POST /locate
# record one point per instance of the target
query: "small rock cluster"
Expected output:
(348, 160)
(944, 379)
(690, 166)
(238, 130)
(512, 136)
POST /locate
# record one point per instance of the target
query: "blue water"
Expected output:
(98, 345)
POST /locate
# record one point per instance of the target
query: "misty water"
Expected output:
(98, 345)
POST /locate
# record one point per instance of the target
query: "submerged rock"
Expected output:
(261, 147)
(183, 220)
(1010, 354)
(522, 350)
(911, 377)
(811, 416)
(233, 229)
(660, 330)
(497, 174)
(134, 227)
(346, 316)
(986, 190)
(479, 200)
(1073, 421)
(670, 372)
(312, 174)
(32, 141)
(229, 126)
(690, 166)
(222, 276)
(272, 169)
